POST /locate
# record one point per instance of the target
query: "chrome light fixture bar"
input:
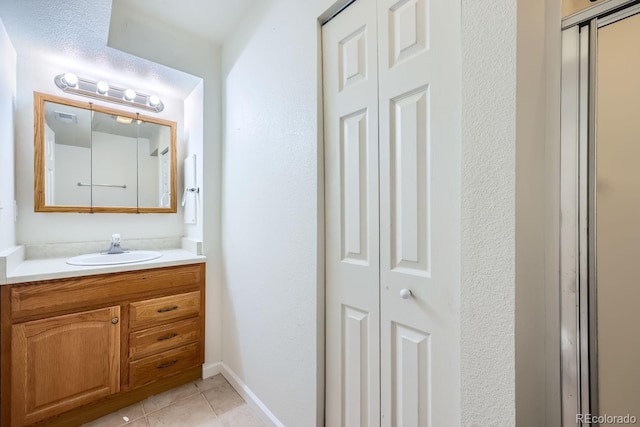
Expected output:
(71, 83)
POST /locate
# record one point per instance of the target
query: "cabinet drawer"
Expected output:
(160, 338)
(158, 310)
(37, 299)
(164, 364)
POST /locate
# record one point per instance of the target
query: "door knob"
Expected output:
(115, 320)
(405, 293)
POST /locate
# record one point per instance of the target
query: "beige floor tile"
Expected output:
(193, 411)
(242, 416)
(223, 398)
(211, 382)
(140, 422)
(169, 397)
(116, 419)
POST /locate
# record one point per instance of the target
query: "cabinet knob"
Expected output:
(405, 293)
(115, 320)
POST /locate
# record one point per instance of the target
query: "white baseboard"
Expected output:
(243, 390)
(211, 369)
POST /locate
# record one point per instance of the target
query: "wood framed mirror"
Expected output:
(90, 158)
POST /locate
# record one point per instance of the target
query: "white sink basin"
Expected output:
(111, 259)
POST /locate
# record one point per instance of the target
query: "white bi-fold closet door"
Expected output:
(391, 74)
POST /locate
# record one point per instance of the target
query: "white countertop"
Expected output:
(32, 270)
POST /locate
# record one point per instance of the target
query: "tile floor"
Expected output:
(211, 402)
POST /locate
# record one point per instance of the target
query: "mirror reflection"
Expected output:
(154, 165)
(67, 138)
(91, 159)
(114, 141)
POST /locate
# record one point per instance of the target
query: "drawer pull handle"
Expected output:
(164, 310)
(166, 365)
(167, 337)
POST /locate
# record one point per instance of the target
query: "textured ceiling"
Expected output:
(212, 20)
(73, 34)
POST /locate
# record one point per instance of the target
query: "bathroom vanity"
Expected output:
(76, 348)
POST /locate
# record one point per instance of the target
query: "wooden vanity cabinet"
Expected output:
(75, 349)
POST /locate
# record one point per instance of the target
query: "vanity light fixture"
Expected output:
(70, 79)
(102, 87)
(153, 101)
(71, 83)
(129, 94)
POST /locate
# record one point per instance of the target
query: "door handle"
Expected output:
(405, 293)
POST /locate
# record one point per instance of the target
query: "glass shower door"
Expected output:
(616, 215)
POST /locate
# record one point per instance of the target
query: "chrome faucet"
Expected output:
(115, 247)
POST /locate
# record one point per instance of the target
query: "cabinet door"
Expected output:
(64, 362)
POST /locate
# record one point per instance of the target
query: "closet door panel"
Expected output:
(352, 227)
(419, 114)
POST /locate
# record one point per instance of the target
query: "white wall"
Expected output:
(36, 74)
(509, 326)
(73, 165)
(273, 300)
(194, 133)
(114, 160)
(149, 169)
(7, 100)
(489, 36)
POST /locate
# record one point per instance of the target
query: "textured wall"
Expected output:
(489, 36)
(194, 135)
(7, 98)
(509, 324)
(272, 307)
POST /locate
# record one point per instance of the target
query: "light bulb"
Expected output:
(154, 101)
(70, 79)
(102, 87)
(129, 94)
(124, 120)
